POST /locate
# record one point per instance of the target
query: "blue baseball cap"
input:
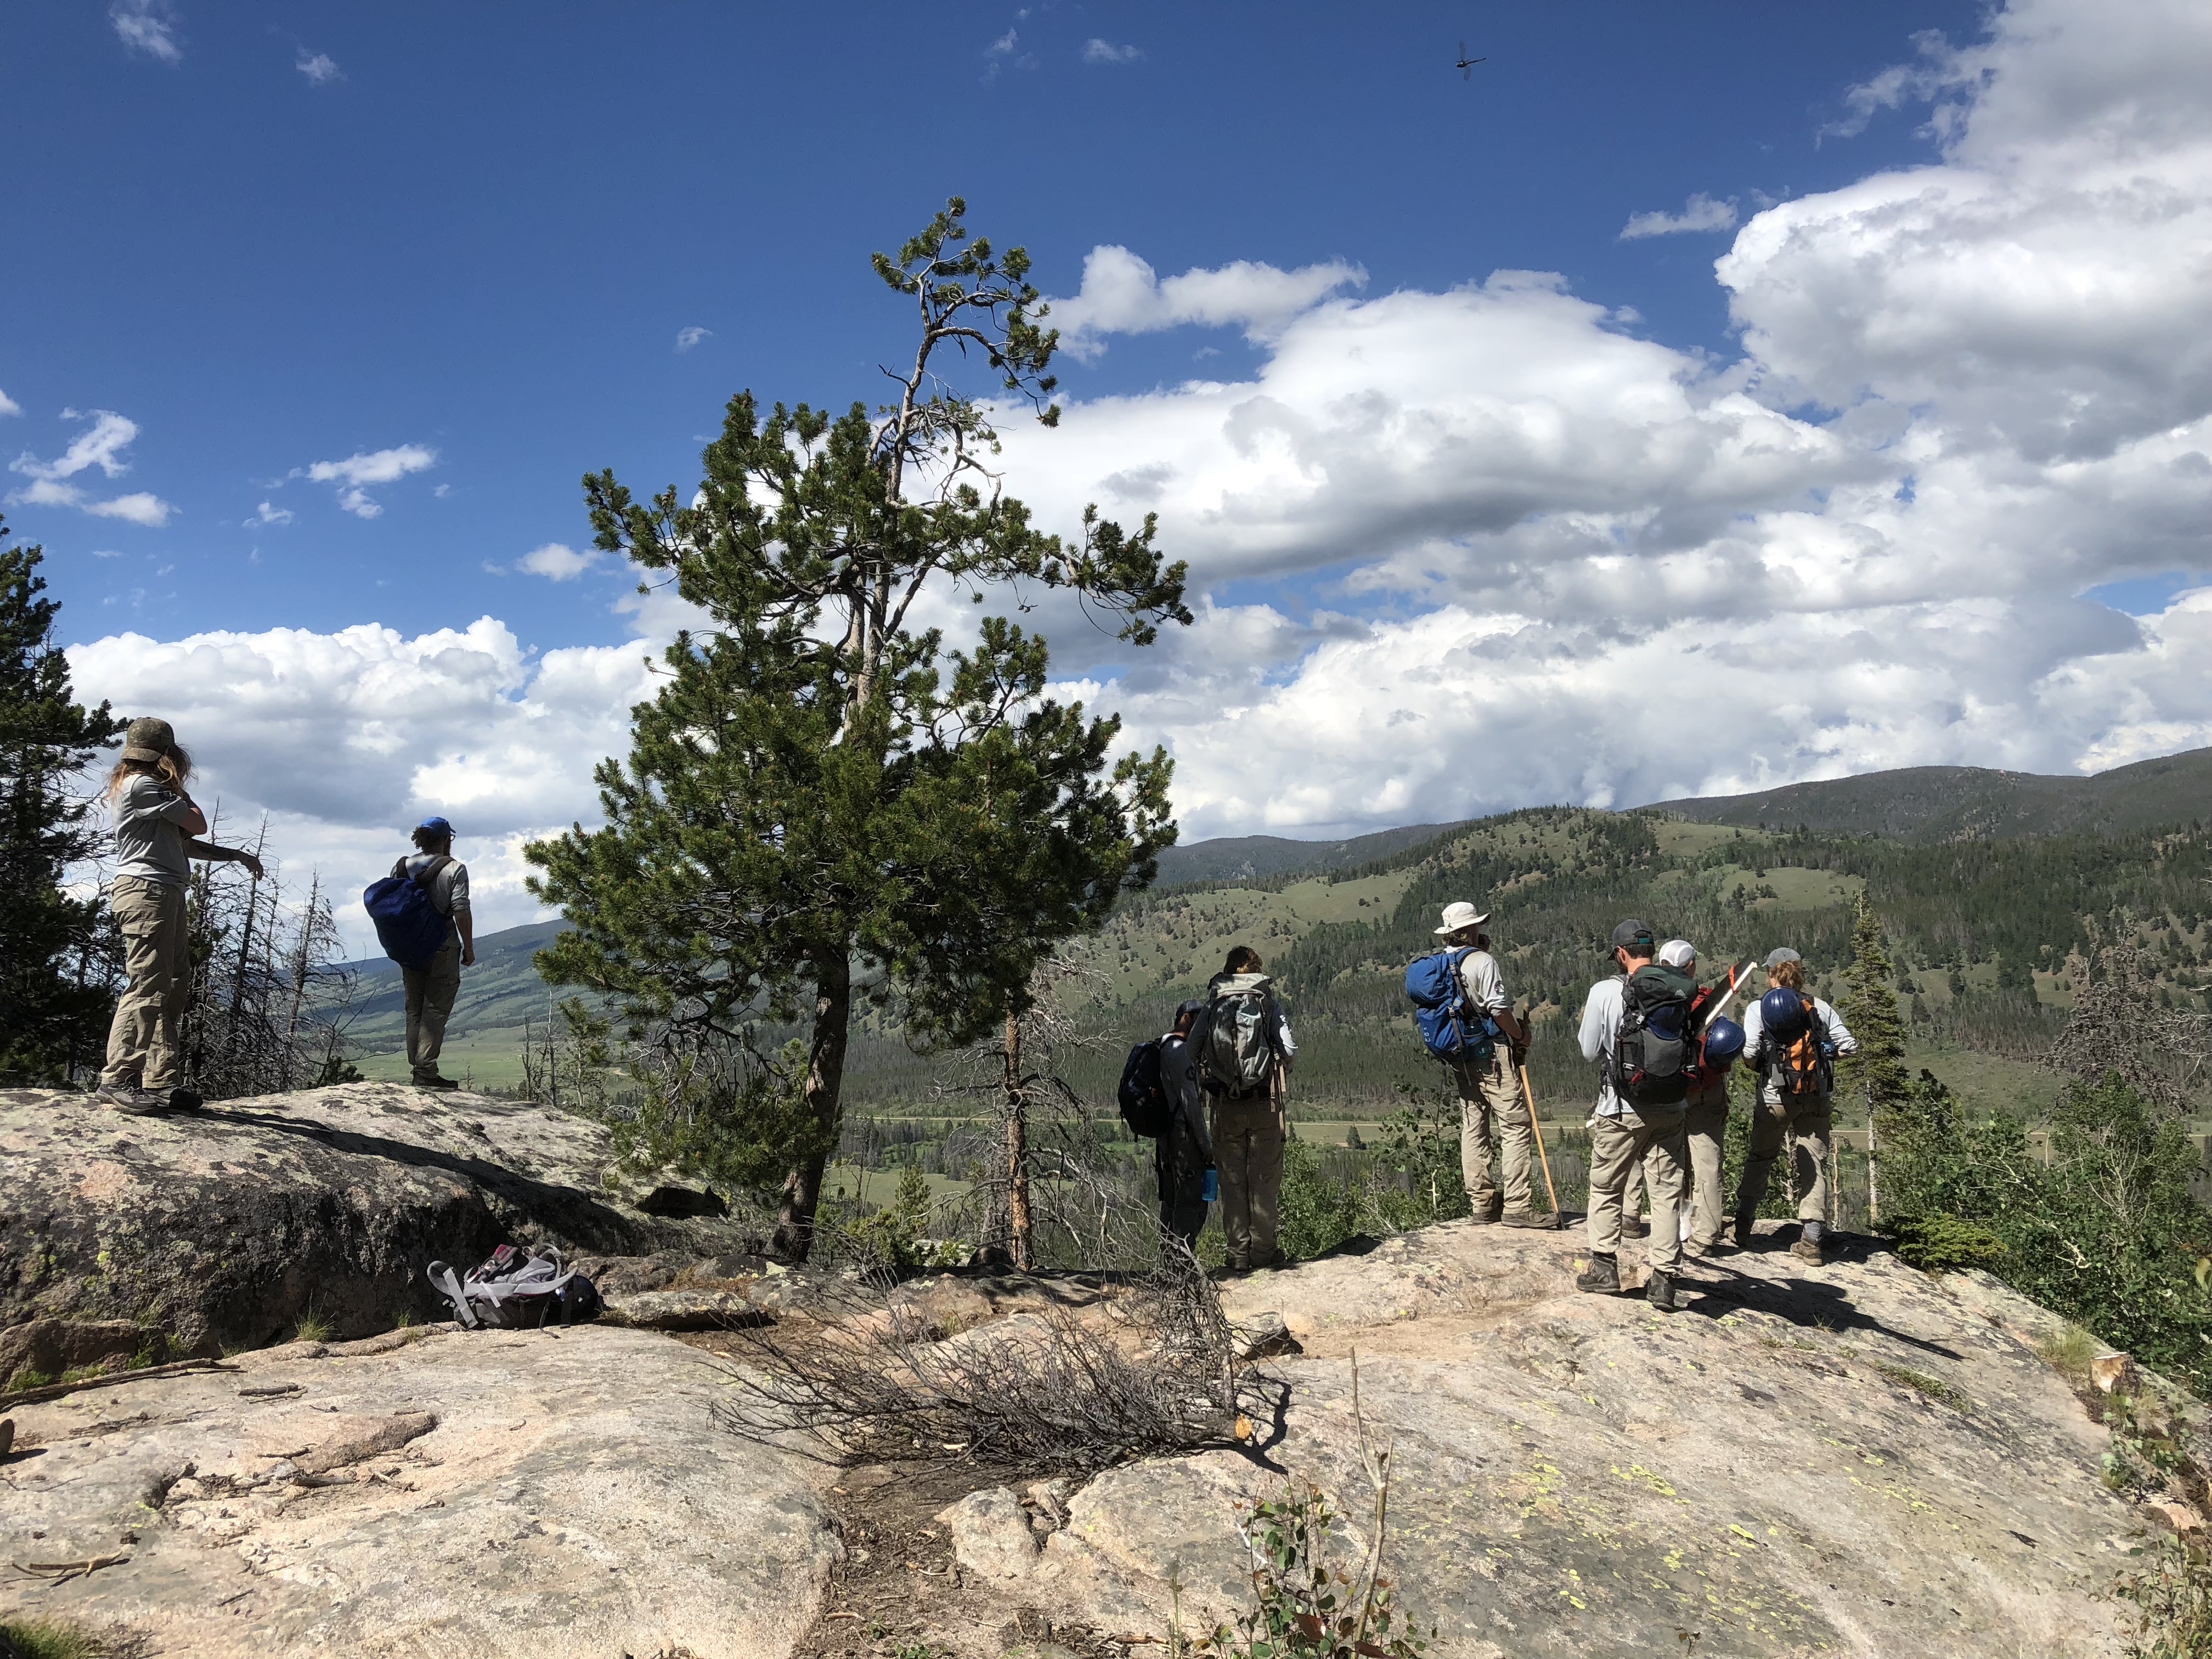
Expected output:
(437, 826)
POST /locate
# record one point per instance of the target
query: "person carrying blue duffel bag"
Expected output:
(422, 916)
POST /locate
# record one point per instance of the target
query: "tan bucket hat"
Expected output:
(148, 739)
(1459, 915)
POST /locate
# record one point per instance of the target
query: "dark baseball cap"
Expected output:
(147, 738)
(1634, 935)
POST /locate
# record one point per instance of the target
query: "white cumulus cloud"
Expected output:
(691, 335)
(1095, 51)
(146, 25)
(1454, 552)
(8, 405)
(559, 562)
(320, 68)
(1122, 294)
(359, 471)
(348, 738)
(267, 512)
(1700, 212)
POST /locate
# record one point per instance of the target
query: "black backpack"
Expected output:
(1142, 1097)
(1655, 1050)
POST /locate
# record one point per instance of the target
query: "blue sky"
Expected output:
(481, 231)
(1841, 369)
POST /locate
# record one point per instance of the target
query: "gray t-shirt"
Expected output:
(150, 835)
(449, 888)
(1484, 985)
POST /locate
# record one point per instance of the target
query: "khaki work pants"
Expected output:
(1655, 1142)
(1490, 1099)
(1705, 1121)
(1802, 1125)
(430, 993)
(1248, 1152)
(142, 1040)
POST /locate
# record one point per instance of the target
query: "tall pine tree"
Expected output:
(55, 995)
(823, 804)
(1876, 1072)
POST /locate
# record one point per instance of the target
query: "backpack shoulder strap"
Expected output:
(430, 871)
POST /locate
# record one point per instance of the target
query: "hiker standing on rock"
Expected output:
(1183, 1154)
(1244, 1048)
(1637, 1025)
(1793, 1041)
(1704, 1112)
(1490, 1090)
(432, 987)
(156, 824)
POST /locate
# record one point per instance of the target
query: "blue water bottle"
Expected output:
(1211, 1192)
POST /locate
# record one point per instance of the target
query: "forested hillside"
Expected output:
(1949, 803)
(1985, 932)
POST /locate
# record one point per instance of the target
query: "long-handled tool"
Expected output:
(1739, 974)
(1529, 1099)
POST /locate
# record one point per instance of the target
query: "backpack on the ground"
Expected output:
(409, 924)
(1235, 1048)
(1806, 1063)
(1655, 1047)
(1142, 1096)
(511, 1291)
(1451, 1031)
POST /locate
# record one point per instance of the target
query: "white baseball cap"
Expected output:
(1459, 916)
(1679, 953)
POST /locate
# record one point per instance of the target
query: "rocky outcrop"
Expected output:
(226, 1228)
(1842, 1459)
(470, 1494)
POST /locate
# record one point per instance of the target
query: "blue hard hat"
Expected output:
(1781, 1012)
(1724, 1040)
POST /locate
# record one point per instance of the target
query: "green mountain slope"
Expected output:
(1982, 930)
(1259, 858)
(1952, 803)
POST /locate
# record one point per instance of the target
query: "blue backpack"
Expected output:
(1451, 1032)
(408, 925)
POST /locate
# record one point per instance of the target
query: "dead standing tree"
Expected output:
(2119, 1025)
(1023, 1070)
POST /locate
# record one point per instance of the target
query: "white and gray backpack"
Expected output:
(511, 1292)
(1236, 1044)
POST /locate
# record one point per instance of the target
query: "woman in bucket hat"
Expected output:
(156, 824)
(1490, 1094)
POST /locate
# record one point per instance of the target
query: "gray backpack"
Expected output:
(1236, 1041)
(511, 1292)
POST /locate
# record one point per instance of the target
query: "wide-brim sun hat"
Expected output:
(148, 739)
(1459, 916)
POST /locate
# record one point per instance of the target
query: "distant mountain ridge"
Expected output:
(1959, 803)
(1257, 858)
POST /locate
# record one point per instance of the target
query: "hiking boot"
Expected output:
(1601, 1276)
(128, 1098)
(1487, 1214)
(1661, 1292)
(1701, 1247)
(435, 1083)
(1808, 1247)
(1530, 1219)
(185, 1100)
(1742, 1234)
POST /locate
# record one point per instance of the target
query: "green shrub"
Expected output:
(44, 1639)
(1942, 1244)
